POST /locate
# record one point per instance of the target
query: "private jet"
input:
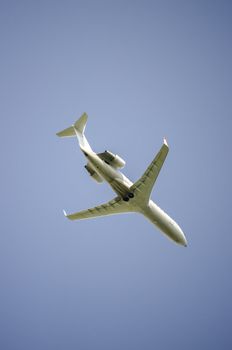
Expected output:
(130, 197)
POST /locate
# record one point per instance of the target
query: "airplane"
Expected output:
(130, 197)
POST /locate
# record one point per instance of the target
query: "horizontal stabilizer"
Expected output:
(69, 132)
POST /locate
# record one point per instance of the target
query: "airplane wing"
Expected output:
(143, 187)
(115, 206)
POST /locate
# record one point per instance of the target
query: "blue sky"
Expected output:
(141, 70)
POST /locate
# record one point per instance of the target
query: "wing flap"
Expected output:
(115, 206)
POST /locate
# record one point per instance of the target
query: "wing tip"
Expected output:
(165, 142)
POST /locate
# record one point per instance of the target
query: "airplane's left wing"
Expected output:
(143, 187)
(115, 206)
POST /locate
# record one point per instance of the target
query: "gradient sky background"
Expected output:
(141, 70)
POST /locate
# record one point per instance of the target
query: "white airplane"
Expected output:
(131, 197)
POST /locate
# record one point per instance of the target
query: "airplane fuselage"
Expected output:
(121, 185)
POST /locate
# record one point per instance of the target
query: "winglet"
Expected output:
(165, 142)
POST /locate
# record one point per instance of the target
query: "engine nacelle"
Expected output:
(93, 174)
(115, 160)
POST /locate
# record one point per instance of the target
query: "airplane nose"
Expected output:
(183, 240)
(180, 237)
(185, 244)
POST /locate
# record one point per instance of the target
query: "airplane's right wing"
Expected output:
(143, 187)
(115, 206)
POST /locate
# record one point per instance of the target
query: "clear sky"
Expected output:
(141, 70)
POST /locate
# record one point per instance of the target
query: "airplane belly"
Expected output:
(104, 170)
(119, 187)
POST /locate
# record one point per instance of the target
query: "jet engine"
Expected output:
(112, 159)
(93, 173)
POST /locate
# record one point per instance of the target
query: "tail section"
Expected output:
(77, 129)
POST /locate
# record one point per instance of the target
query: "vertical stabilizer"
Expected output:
(80, 124)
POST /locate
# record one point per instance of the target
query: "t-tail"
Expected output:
(77, 129)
